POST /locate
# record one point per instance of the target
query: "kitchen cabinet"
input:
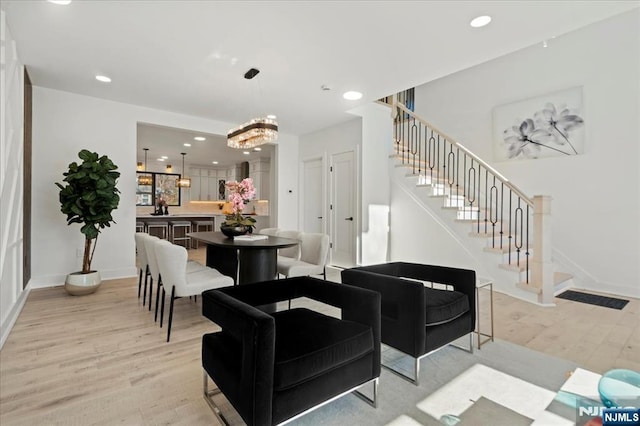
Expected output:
(205, 184)
(259, 171)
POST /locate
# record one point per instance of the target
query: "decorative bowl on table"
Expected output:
(234, 231)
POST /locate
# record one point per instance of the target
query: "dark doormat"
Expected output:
(594, 299)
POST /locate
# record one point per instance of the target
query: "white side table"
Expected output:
(487, 285)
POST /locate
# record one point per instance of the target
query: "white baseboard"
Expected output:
(57, 280)
(10, 320)
(611, 289)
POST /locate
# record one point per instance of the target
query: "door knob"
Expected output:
(348, 218)
(319, 217)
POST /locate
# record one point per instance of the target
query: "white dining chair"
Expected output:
(154, 269)
(314, 250)
(289, 252)
(154, 272)
(143, 263)
(272, 232)
(172, 261)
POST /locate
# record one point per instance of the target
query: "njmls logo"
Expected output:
(618, 416)
(591, 410)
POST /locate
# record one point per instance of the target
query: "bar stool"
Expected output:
(208, 226)
(186, 225)
(163, 226)
(140, 227)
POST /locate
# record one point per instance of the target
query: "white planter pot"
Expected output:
(79, 284)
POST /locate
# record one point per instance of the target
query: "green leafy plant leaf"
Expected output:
(89, 197)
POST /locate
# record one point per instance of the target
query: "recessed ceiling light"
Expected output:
(480, 21)
(352, 95)
(214, 162)
(160, 159)
(246, 152)
(61, 2)
(271, 116)
(164, 156)
(187, 144)
(103, 78)
(200, 138)
(257, 148)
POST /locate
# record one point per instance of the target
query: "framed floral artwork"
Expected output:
(545, 126)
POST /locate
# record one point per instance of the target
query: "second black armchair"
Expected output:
(417, 319)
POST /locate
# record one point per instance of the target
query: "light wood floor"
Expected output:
(101, 360)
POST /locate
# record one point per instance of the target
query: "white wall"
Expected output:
(12, 296)
(374, 183)
(284, 206)
(63, 124)
(596, 196)
(418, 237)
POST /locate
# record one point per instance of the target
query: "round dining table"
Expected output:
(244, 261)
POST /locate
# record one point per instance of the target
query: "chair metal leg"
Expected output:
(324, 273)
(151, 294)
(139, 283)
(144, 294)
(155, 318)
(208, 396)
(371, 401)
(416, 371)
(470, 348)
(164, 295)
(173, 296)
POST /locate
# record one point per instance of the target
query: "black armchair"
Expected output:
(417, 319)
(273, 367)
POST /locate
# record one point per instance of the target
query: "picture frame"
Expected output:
(545, 126)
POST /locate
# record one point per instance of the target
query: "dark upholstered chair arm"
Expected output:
(255, 331)
(403, 306)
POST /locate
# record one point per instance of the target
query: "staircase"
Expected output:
(508, 231)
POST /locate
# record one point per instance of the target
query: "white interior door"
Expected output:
(313, 212)
(343, 209)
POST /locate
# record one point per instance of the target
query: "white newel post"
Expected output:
(542, 273)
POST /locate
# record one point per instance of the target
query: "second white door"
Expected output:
(343, 209)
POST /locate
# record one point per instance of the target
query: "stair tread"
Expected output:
(514, 267)
(498, 250)
(558, 278)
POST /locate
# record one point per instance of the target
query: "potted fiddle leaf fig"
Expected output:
(88, 197)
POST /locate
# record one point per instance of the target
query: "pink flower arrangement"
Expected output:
(239, 194)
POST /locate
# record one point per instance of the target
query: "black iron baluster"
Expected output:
(432, 155)
(472, 188)
(478, 206)
(458, 176)
(527, 247)
(419, 149)
(451, 158)
(493, 212)
(413, 144)
(518, 237)
(486, 185)
(501, 215)
(510, 225)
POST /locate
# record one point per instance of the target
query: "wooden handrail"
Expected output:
(503, 179)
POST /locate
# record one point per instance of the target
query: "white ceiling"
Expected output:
(190, 56)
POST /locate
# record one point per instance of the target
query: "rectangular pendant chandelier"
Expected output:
(253, 133)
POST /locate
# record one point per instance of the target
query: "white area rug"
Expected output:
(521, 381)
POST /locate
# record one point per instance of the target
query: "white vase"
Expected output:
(79, 284)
